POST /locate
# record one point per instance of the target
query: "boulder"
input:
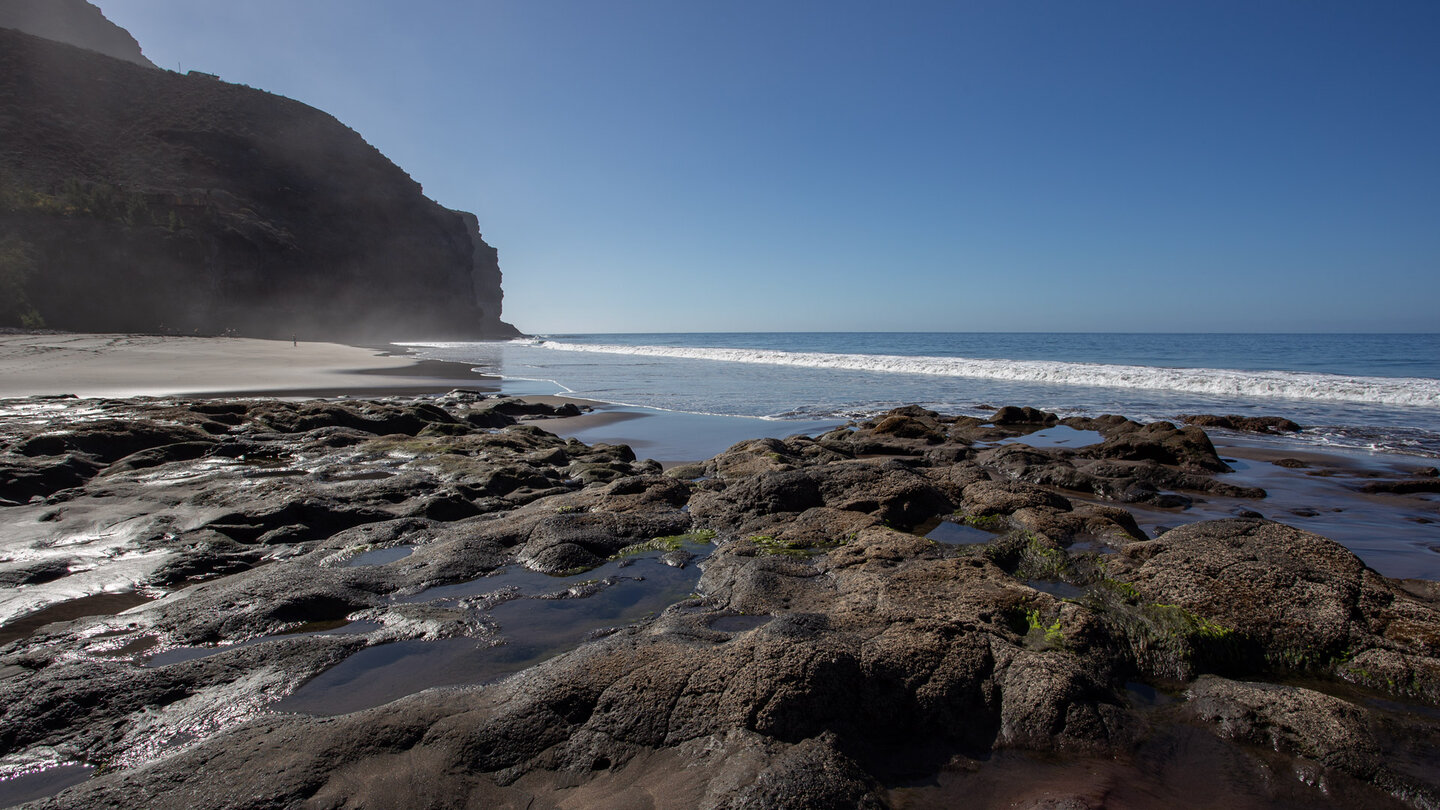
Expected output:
(988, 498)
(1011, 415)
(1283, 599)
(1251, 424)
(1300, 721)
(1161, 442)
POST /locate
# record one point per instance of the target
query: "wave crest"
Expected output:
(1404, 391)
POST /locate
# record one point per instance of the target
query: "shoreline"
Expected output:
(123, 365)
(128, 365)
(322, 561)
(103, 365)
(216, 368)
(400, 558)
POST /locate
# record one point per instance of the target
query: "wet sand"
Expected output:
(670, 437)
(1397, 534)
(152, 365)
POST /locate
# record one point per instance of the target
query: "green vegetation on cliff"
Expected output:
(17, 262)
(80, 198)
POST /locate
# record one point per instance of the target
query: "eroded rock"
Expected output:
(875, 655)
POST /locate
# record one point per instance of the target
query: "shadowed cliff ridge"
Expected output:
(74, 21)
(136, 199)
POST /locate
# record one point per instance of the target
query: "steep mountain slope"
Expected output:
(75, 22)
(136, 199)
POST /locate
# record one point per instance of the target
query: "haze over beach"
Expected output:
(945, 404)
(1052, 167)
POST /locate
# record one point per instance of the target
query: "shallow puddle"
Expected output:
(380, 556)
(377, 675)
(678, 437)
(1059, 590)
(1177, 766)
(370, 475)
(100, 604)
(262, 474)
(517, 581)
(31, 786)
(127, 649)
(958, 534)
(181, 654)
(1058, 436)
(1145, 695)
(532, 629)
(1091, 545)
(738, 624)
(1385, 530)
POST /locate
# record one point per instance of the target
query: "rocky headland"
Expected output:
(141, 200)
(816, 646)
(77, 22)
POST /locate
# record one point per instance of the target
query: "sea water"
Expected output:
(1363, 391)
(1376, 392)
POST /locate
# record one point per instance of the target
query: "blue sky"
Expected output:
(651, 165)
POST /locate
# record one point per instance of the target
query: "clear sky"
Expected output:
(669, 165)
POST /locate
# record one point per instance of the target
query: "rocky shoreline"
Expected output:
(831, 653)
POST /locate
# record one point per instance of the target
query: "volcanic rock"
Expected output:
(140, 200)
(1252, 424)
(75, 22)
(871, 655)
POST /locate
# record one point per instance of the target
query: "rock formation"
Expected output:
(73, 21)
(142, 200)
(830, 654)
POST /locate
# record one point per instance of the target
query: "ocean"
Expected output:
(1378, 392)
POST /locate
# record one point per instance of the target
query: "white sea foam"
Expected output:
(1405, 391)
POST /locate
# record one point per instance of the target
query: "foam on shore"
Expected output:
(1404, 391)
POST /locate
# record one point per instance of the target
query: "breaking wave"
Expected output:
(1403, 391)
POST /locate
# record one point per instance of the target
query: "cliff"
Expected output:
(75, 22)
(136, 199)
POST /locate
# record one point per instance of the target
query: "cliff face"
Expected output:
(72, 21)
(484, 267)
(135, 199)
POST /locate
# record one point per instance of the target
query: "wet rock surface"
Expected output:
(1253, 424)
(830, 653)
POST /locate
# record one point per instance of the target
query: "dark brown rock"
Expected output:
(1405, 487)
(985, 498)
(1161, 442)
(1288, 718)
(24, 478)
(74, 22)
(109, 441)
(1284, 599)
(1252, 424)
(1011, 415)
(186, 203)
(903, 426)
(873, 656)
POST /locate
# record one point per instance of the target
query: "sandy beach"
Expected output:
(151, 365)
(233, 571)
(114, 365)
